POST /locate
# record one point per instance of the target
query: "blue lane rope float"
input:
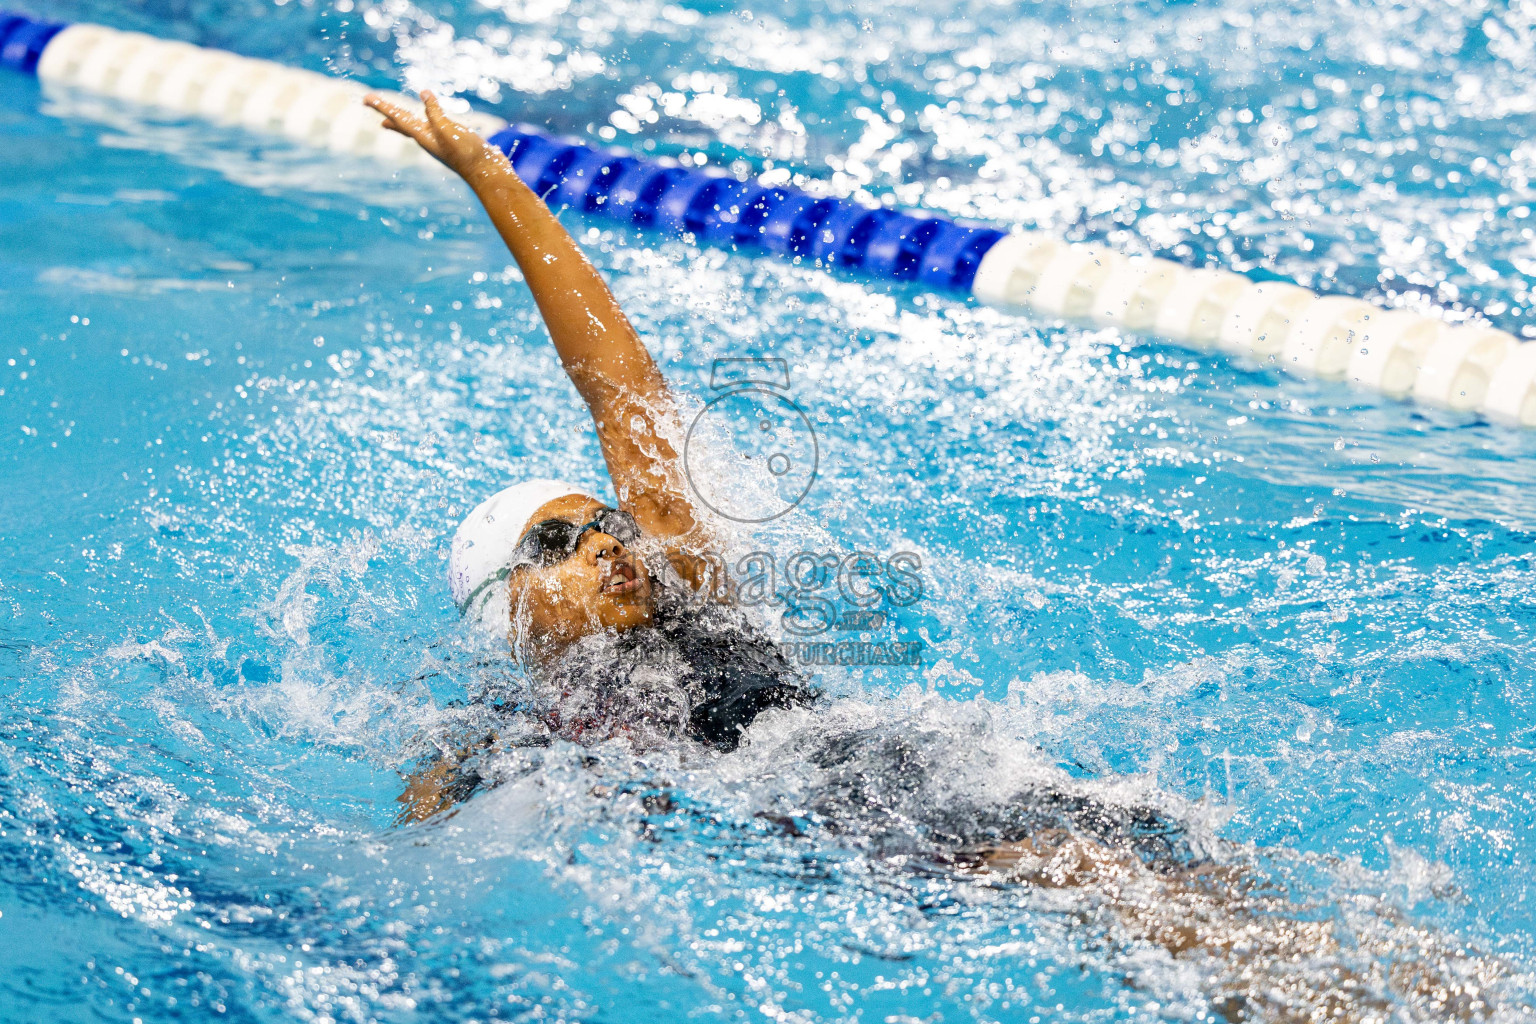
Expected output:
(1466, 367)
(719, 209)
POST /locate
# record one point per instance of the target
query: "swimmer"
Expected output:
(612, 613)
(607, 608)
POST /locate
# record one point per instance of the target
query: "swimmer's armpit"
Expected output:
(600, 350)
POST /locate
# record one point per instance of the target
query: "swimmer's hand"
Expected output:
(458, 147)
(631, 407)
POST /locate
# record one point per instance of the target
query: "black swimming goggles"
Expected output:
(553, 541)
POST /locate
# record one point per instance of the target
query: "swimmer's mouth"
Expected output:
(621, 579)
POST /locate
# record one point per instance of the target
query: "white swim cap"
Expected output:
(484, 541)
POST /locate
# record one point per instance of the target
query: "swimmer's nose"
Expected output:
(604, 546)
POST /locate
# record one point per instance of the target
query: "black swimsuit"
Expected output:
(700, 671)
(880, 787)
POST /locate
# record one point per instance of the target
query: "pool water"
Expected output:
(247, 392)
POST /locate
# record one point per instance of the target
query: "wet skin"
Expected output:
(603, 585)
(632, 409)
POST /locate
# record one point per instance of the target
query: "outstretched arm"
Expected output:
(601, 352)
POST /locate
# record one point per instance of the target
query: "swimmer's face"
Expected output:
(603, 585)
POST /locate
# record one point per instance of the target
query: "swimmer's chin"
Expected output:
(622, 604)
(604, 614)
(627, 608)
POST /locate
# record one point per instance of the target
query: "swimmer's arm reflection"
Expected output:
(599, 348)
(1252, 930)
(443, 783)
(1255, 931)
(429, 792)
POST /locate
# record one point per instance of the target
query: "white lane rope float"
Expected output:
(1470, 368)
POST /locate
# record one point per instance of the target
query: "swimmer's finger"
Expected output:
(430, 145)
(439, 120)
(448, 130)
(398, 118)
(385, 107)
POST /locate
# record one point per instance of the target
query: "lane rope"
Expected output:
(1401, 353)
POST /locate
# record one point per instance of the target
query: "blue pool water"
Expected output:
(247, 392)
